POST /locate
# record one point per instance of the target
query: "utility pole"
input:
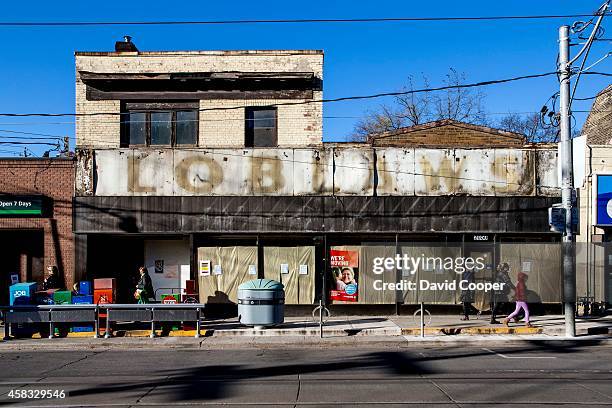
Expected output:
(567, 184)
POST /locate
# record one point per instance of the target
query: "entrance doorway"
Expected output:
(22, 255)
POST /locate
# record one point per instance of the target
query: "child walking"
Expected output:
(521, 300)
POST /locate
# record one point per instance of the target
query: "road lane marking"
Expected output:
(511, 357)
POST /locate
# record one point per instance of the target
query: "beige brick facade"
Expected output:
(298, 125)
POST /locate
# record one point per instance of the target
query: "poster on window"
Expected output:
(345, 273)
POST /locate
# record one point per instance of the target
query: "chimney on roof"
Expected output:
(126, 45)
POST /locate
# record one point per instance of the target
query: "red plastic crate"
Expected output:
(104, 296)
(105, 283)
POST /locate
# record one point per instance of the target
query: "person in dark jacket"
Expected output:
(500, 296)
(144, 287)
(52, 280)
(467, 295)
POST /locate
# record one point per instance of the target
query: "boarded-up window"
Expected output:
(294, 267)
(229, 267)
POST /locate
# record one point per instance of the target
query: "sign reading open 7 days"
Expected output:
(24, 206)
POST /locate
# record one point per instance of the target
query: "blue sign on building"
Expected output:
(604, 199)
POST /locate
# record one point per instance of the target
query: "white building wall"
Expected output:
(175, 255)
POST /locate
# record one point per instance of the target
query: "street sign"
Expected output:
(556, 218)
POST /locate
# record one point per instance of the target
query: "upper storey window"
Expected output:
(159, 124)
(261, 127)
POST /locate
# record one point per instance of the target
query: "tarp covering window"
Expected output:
(542, 263)
(431, 272)
(229, 267)
(284, 264)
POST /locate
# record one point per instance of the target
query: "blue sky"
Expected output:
(37, 64)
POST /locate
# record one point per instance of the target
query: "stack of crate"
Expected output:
(83, 296)
(105, 291)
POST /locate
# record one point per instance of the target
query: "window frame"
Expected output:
(154, 107)
(249, 131)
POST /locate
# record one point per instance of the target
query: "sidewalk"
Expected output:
(440, 327)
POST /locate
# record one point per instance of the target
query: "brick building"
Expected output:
(36, 219)
(448, 132)
(252, 191)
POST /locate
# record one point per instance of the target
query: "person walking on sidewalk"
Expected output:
(467, 295)
(500, 296)
(521, 300)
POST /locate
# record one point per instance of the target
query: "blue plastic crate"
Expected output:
(85, 288)
(81, 329)
(82, 299)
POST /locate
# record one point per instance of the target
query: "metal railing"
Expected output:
(92, 313)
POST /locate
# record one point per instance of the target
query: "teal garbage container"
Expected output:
(261, 303)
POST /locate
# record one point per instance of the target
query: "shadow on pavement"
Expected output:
(213, 382)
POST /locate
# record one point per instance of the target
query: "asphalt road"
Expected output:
(538, 374)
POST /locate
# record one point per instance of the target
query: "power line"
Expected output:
(24, 137)
(30, 133)
(30, 143)
(306, 102)
(284, 21)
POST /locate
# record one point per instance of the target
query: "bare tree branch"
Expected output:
(462, 104)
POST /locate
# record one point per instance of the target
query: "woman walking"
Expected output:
(521, 300)
(144, 288)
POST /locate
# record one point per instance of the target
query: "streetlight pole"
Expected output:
(567, 183)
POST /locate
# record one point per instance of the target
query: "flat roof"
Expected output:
(201, 52)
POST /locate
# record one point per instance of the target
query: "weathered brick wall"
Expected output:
(298, 125)
(53, 178)
(449, 135)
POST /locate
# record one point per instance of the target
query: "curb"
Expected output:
(450, 331)
(391, 331)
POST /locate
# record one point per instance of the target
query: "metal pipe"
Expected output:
(321, 318)
(107, 331)
(422, 320)
(50, 327)
(97, 323)
(197, 335)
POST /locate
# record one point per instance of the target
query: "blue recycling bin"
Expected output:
(22, 293)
